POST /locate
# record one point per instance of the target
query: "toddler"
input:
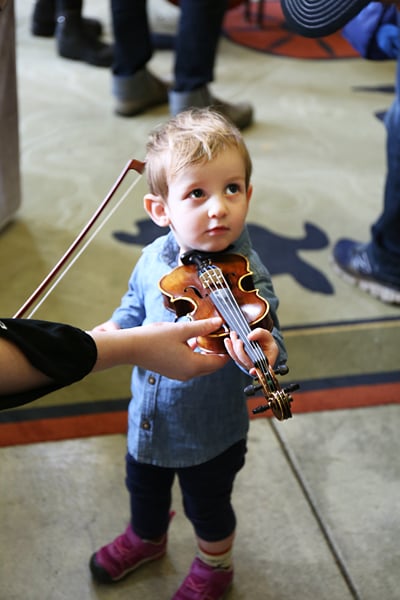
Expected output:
(198, 170)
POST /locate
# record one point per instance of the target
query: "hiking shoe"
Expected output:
(138, 93)
(125, 554)
(240, 114)
(352, 262)
(204, 583)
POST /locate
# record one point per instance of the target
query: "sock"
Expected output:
(216, 561)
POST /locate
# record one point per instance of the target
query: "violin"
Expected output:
(203, 287)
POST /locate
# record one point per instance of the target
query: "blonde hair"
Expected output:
(192, 137)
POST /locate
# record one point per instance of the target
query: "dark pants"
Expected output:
(196, 42)
(384, 249)
(206, 491)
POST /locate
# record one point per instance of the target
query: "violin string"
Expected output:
(225, 301)
(237, 318)
(253, 348)
(230, 310)
(83, 248)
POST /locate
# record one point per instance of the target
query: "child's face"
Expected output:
(207, 203)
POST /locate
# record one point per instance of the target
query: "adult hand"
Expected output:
(160, 347)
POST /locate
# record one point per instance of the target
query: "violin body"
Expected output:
(184, 294)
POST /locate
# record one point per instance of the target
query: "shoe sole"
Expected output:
(102, 576)
(139, 108)
(85, 59)
(224, 593)
(377, 290)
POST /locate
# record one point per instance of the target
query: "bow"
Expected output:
(68, 259)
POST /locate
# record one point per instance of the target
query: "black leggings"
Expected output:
(206, 491)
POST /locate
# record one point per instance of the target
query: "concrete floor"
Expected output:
(317, 508)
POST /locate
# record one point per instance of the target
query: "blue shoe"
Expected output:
(351, 261)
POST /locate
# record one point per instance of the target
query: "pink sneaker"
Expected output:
(123, 555)
(204, 583)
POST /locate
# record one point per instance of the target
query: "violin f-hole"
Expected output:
(182, 307)
(195, 290)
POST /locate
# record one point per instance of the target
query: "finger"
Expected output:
(202, 327)
(238, 346)
(256, 333)
(230, 348)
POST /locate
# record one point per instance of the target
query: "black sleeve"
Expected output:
(64, 353)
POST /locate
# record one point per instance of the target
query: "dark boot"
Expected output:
(241, 114)
(74, 41)
(137, 93)
(44, 20)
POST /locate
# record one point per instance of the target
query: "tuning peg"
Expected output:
(260, 409)
(282, 369)
(251, 389)
(292, 387)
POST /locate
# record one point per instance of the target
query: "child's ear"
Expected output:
(249, 192)
(155, 208)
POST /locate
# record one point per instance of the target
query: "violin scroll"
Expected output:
(278, 399)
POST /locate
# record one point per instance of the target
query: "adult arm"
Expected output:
(38, 357)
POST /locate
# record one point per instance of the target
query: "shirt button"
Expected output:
(151, 379)
(146, 424)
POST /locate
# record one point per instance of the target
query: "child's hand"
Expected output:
(236, 350)
(107, 326)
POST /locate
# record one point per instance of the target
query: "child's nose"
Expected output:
(217, 207)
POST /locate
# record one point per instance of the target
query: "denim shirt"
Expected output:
(173, 423)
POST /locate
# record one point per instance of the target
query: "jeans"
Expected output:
(206, 492)
(384, 249)
(196, 41)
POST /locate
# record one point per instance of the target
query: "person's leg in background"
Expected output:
(197, 40)
(385, 245)
(77, 37)
(136, 89)
(375, 266)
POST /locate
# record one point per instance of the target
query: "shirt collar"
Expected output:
(170, 250)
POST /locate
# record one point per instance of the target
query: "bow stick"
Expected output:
(133, 164)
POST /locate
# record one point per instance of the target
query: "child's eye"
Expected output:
(232, 188)
(197, 193)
